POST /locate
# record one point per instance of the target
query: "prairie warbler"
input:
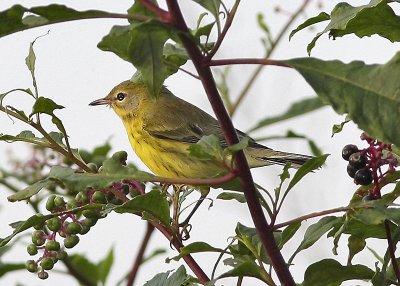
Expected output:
(161, 131)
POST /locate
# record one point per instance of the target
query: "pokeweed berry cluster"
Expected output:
(369, 165)
(68, 224)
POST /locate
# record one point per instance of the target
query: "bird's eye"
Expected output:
(120, 96)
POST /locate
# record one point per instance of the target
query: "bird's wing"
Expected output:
(180, 121)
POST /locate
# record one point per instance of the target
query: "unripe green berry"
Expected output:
(71, 241)
(89, 222)
(54, 224)
(74, 228)
(121, 156)
(50, 205)
(90, 213)
(32, 249)
(59, 202)
(43, 275)
(62, 254)
(47, 263)
(85, 229)
(31, 266)
(38, 237)
(99, 197)
(82, 198)
(52, 245)
(71, 204)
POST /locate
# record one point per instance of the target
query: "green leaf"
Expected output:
(376, 17)
(14, 20)
(196, 247)
(142, 44)
(232, 196)
(245, 269)
(24, 136)
(29, 191)
(315, 231)
(104, 266)
(355, 245)
(155, 252)
(358, 89)
(207, 148)
(31, 59)
(45, 105)
(233, 149)
(165, 279)
(153, 203)
(6, 268)
(210, 5)
(296, 109)
(288, 233)
(337, 128)
(306, 168)
(311, 21)
(329, 272)
(86, 267)
(24, 225)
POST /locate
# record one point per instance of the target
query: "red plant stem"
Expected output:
(203, 278)
(392, 250)
(164, 15)
(247, 61)
(264, 230)
(139, 256)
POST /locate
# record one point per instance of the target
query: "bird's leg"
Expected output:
(204, 193)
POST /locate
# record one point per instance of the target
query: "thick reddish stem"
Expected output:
(264, 230)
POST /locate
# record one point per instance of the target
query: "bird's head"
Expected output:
(124, 98)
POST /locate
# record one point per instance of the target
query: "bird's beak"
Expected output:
(101, 101)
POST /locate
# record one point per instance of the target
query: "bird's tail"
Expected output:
(258, 157)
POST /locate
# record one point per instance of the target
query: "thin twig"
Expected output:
(392, 250)
(264, 230)
(139, 256)
(221, 37)
(274, 44)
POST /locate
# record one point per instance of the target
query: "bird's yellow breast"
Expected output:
(167, 158)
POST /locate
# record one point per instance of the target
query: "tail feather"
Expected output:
(262, 157)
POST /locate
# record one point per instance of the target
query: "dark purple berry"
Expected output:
(363, 177)
(351, 170)
(348, 150)
(358, 160)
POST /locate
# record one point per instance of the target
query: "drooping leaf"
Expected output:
(24, 136)
(19, 18)
(289, 232)
(355, 245)
(329, 272)
(306, 168)
(153, 203)
(376, 17)
(315, 232)
(367, 93)
(311, 21)
(196, 247)
(296, 109)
